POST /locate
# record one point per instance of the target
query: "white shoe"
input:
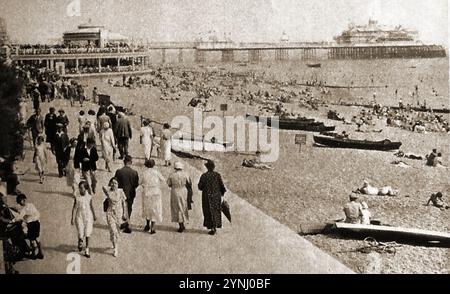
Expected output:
(116, 252)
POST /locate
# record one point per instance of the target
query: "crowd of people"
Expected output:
(74, 49)
(77, 160)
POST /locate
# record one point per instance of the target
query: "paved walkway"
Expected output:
(253, 243)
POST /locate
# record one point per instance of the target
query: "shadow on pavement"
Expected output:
(65, 248)
(65, 194)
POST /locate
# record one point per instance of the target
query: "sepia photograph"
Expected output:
(224, 137)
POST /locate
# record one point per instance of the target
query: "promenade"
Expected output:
(253, 243)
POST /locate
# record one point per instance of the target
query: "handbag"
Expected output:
(106, 205)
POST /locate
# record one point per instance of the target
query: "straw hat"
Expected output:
(178, 165)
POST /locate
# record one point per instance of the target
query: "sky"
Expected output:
(40, 21)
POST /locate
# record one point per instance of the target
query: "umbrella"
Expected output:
(226, 210)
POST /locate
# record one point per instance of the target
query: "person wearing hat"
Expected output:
(180, 185)
(71, 92)
(87, 158)
(36, 124)
(123, 134)
(166, 145)
(50, 126)
(213, 190)
(147, 136)
(103, 118)
(151, 181)
(85, 134)
(63, 119)
(128, 180)
(353, 210)
(61, 149)
(36, 98)
(108, 145)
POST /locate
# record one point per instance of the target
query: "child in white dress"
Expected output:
(40, 157)
(83, 216)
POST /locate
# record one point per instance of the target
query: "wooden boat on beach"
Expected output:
(188, 144)
(334, 142)
(418, 109)
(393, 233)
(316, 65)
(298, 124)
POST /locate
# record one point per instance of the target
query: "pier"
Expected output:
(99, 60)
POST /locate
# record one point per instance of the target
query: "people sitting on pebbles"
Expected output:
(356, 212)
(436, 200)
(368, 189)
(256, 162)
(434, 159)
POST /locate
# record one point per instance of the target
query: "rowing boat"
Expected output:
(393, 233)
(334, 142)
(299, 124)
(184, 144)
(314, 65)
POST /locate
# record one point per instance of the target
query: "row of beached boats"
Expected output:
(295, 124)
(326, 139)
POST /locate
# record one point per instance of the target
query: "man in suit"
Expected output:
(36, 98)
(61, 149)
(50, 127)
(85, 134)
(63, 119)
(128, 180)
(87, 157)
(36, 124)
(123, 134)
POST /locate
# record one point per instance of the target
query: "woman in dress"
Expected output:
(108, 142)
(147, 139)
(151, 196)
(116, 211)
(73, 175)
(40, 157)
(213, 189)
(82, 119)
(180, 184)
(83, 216)
(92, 118)
(166, 145)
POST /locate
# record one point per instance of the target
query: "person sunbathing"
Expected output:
(368, 189)
(256, 162)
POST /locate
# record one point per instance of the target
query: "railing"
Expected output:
(60, 51)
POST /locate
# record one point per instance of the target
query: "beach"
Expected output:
(311, 185)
